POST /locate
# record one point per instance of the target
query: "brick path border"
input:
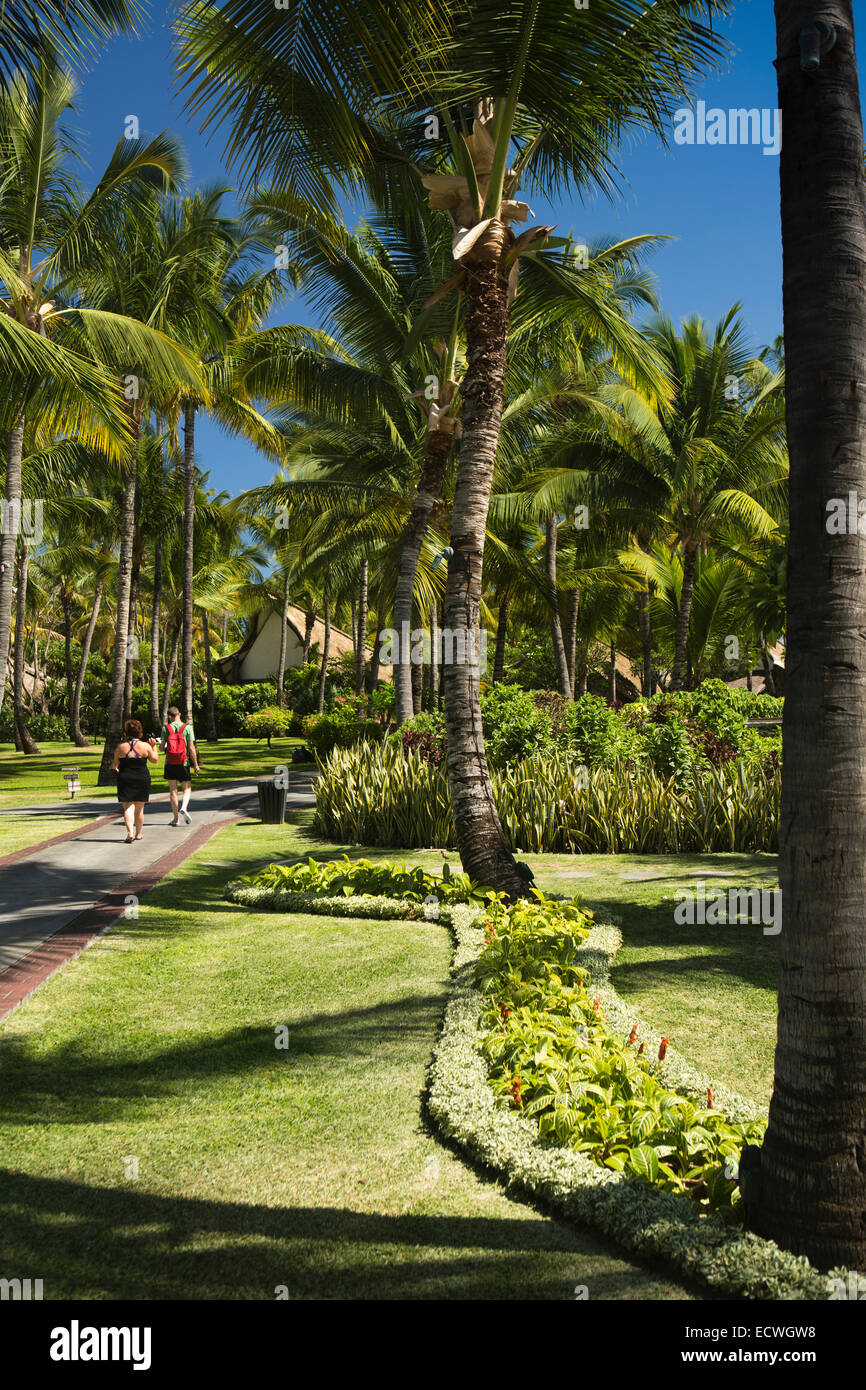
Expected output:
(26, 975)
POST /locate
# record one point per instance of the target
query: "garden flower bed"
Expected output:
(540, 1075)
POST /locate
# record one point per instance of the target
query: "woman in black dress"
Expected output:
(131, 758)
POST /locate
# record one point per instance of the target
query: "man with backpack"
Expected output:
(181, 760)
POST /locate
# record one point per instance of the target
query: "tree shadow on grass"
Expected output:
(79, 1086)
(122, 1243)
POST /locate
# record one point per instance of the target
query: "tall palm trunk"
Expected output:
(23, 738)
(361, 653)
(37, 692)
(129, 683)
(582, 670)
(121, 630)
(501, 639)
(690, 560)
(326, 648)
(429, 486)
(75, 716)
(170, 672)
(562, 674)
(611, 689)
(155, 634)
(480, 839)
(210, 711)
(188, 553)
(643, 616)
(8, 536)
(570, 636)
(813, 1171)
(309, 624)
(417, 686)
(434, 656)
(281, 663)
(66, 605)
(377, 643)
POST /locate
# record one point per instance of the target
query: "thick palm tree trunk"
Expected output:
(562, 674)
(170, 672)
(481, 842)
(155, 634)
(813, 1170)
(210, 711)
(690, 560)
(361, 652)
(23, 738)
(429, 486)
(326, 647)
(8, 536)
(281, 664)
(188, 553)
(501, 639)
(643, 615)
(121, 631)
(75, 716)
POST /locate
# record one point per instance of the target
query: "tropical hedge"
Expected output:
(543, 1074)
(551, 802)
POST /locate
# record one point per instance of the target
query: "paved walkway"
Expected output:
(55, 896)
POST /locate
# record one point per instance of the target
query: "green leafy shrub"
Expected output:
(269, 722)
(51, 727)
(513, 724)
(363, 876)
(755, 706)
(345, 723)
(711, 708)
(552, 1056)
(597, 735)
(669, 749)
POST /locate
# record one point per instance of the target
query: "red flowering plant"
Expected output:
(550, 1053)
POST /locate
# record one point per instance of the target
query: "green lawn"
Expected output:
(310, 1168)
(32, 780)
(17, 832)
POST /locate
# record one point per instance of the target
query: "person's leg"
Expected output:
(172, 796)
(139, 818)
(186, 788)
(129, 818)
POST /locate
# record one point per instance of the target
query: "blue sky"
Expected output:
(719, 202)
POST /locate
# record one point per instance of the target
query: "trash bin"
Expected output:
(272, 802)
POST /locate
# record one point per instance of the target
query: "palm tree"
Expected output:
(706, 466)
(212, 299)
(365, 368)
(545, 105)
(77, 29)
(813, 1172)
(48, 235)
(128, 287)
